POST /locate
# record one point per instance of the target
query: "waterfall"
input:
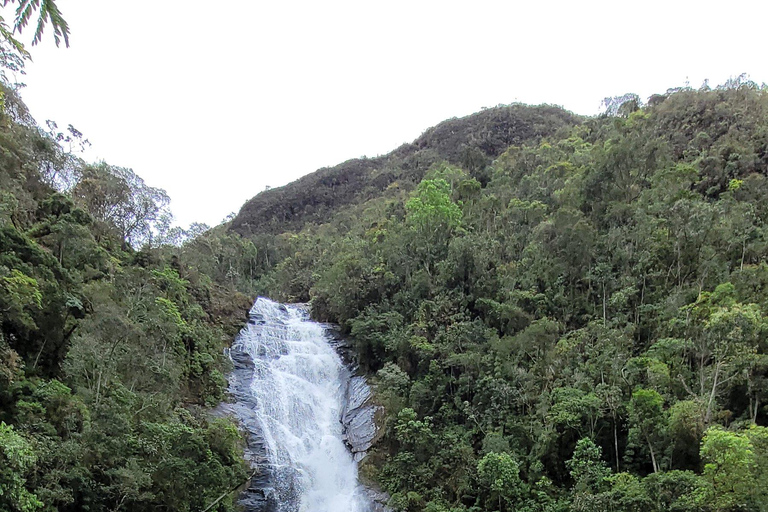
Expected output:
(296, 395)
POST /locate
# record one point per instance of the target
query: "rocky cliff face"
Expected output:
(360, 416)
(257, 496)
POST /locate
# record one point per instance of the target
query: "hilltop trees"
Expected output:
(119, 199)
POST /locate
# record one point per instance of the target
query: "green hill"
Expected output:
(471, 141)
(573, 320)
(111, 341)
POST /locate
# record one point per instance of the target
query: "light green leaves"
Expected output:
(22, 289)
(733, 468)
(17, 459)
(432, 207)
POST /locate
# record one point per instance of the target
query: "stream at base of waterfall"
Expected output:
(291, 390)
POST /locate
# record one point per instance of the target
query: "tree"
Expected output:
(673, 490)
(621, 106)
(648, 423)
(725, 337)
(121, 200)
(729, 464)
(500, 474)
(432, 217)
(431, 209)
(574, 409)
(588, 471)
(17, 460)
(18, 294)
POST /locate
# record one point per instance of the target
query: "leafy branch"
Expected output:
(47, 13)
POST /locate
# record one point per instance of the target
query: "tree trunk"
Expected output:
(605, 310)
(708, 415)
(616, 443)
(653, 456)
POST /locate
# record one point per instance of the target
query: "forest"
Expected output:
(574, 323)
(558, 313)
(111, 336)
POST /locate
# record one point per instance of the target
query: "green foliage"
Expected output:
(648, 423)
(121, 202)
(109, 357)
(19, 293)
(587, 469)
(473, 140)
(540, 301)
(22, 289)
(734, 469)
(501, 475)
(587, 298)
(18, 460)
(47, 12)
(13, 54)
(431, 208)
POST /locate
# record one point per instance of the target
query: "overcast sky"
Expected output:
(213, 101)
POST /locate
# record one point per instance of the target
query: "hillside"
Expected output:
(554, 313)
(111, 339)
(576, 323)
(471, 142)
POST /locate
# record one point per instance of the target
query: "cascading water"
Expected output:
(297, 395)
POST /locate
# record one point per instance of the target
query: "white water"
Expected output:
(298, 381)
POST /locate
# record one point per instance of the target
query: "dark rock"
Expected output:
(258, 495)
(358, 418)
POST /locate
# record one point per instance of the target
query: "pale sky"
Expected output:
(213, 101)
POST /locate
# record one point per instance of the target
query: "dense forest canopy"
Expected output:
(575, 321)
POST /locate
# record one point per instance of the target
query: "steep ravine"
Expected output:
(309, 419)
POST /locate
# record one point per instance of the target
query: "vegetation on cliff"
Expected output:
(110, 356)
(559, 313)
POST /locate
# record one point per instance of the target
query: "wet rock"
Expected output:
(359, 417)
(378, 499)
(240, 359)
(258, 495)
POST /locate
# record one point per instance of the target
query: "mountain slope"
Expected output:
(579, 324)
(470, 141)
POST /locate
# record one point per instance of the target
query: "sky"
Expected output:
(215, 101)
